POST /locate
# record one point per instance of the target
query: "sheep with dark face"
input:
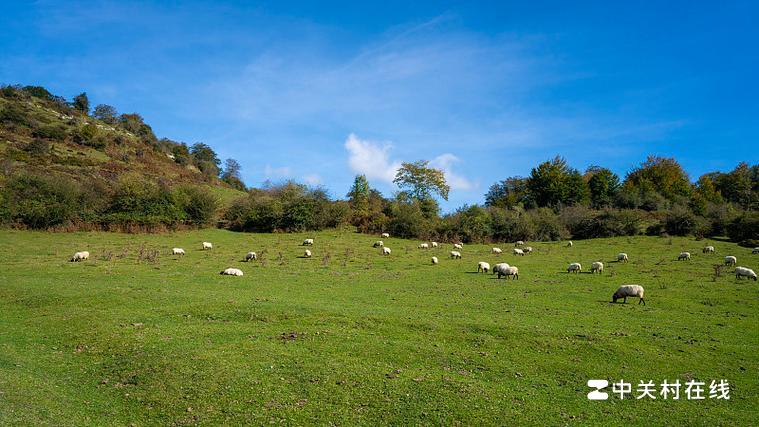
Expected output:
(378, 244)
(424, 246)
(207, 245)
(745, 272)
(308, 242)
(434, 260)
(517, 251)
(456, 254)
(597, 267)
(622, 257)
(683, 256)
(625, 291)
(80, 256)
(177, 251)
(496, 251)
(708, 250)
(511, 271)
(570, 244)
(385, 235)
(307, 254)
(483, 267)
(386, 250)
(575, 267)
(231, 272)
(251, 256)
(730, 260)
(500, 268)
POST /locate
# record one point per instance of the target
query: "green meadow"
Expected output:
(136, 336)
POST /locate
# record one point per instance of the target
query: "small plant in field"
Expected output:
(717, 272)
(106, 256)
(326, 258)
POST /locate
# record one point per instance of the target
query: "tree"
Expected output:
(135, 124)
(554, 183)
(421, 181)
(231, 174)
(82, 103)
(603, 185)
(358, 199)
(737, 186)
(661, 175)
(508, 193)
(105, 113)
(205, 159)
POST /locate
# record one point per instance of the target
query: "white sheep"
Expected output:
(232, 272)
(207, 245)
(683, 256)
(434, 244)
(625, 291)
(597, 266)
(622, 257)
(708, 250)
(177, 251)
(424, 246)
(496, 251)
(519, 243)
(308, 242)
(378, 244)
(434, 260)
(251, 256)
(755, 251)
(730, 260)
(80, 256)
(504, 269)
(458, 246)
(518, 251)
(745, 272)
(527, 249)
(385, 235)
(575, 267)
(307, 254)
(570, 244)
(386, 250)
(456, 254)
(483, 266)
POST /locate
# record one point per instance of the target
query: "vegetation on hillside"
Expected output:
(64, 167)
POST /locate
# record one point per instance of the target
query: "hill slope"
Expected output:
(43, 137)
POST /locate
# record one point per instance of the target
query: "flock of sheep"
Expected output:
(501, 269)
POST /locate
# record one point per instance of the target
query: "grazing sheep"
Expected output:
(597, 266)
(570, 244)
(625, 291)
(683, 256)
(483, 266)
(207, 245)
(424, 246)
(378, 244)
(500, 268)
(574, 267)
(496, 251)
(434, 260)
(434, 244)
(385, 235)
(458, 246)
(708, 250)
(730, 260)
(512, 271)
(232, 272)
(307, 254)
(80, 256)
(386, 250)
(308, 242)
(456, 254)
(517, 251)
(519, 243)
(755, 251)
(622, 257)
(251, 256)
(527, 249)
(745, 272)
(177, 251)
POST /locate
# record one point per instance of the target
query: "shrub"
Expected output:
(680, 221)
(41, 201)
(745, 229)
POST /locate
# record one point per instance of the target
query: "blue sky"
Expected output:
(321, 91)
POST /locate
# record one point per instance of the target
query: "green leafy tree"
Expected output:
(422, 181)
(231, 174)
(661, 175)
(358, 199)
(205, 159)
(105, 113)
(554, 183)
(508, 193)
(603, 185)
(82, 103)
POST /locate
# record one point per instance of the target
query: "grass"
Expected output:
(349, 336)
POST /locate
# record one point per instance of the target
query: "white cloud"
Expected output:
(281, 172)
(456, 181)
(371, 159)
(312, 179)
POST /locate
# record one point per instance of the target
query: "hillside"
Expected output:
(54, 143)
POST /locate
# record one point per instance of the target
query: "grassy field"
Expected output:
(349, 336)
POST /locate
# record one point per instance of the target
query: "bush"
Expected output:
(198, 205)
(547, 225)
(41, 202)
(680, 221)
(745, 229)
(510, 225)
